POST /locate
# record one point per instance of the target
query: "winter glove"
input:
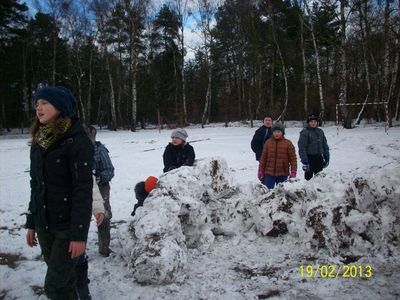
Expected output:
(260, 174)
(293, 174)
(325, 164)
(306, 167)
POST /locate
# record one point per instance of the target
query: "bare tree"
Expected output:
(136, 11)
(343, 60)
(102, 12)
(284, 72)
(317, 59)
(206, 10)
(303, 55)
(182, 10)
(362, 12)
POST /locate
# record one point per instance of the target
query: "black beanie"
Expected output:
(313, 117)
(60, 97)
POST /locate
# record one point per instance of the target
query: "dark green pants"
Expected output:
(60, 277)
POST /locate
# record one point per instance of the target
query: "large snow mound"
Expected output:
(337, 215)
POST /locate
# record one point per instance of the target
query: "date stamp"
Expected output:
(336, 271)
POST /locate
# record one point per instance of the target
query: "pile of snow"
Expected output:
(350, 217)
(347, 217)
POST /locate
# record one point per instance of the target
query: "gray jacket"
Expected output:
(312, 141)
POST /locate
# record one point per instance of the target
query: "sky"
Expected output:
(191, 32)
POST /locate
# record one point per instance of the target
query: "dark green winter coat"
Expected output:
(61, 184)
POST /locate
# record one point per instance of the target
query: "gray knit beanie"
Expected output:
(278, 126)
(179, 133)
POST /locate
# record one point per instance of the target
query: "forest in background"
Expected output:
(127, 62)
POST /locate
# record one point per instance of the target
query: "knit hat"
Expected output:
(313, 117)
(278, 126)
(60, 97)
(179, 133)
(150, 183)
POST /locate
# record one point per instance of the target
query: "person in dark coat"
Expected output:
(261, 135)
(104, 172)
(60, 206)
(178, 152)
(142, 190)
(313, 148)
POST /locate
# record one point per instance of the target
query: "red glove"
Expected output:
(293, 174)
(260, 174)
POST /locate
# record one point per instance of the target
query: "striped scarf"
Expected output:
(48, 134)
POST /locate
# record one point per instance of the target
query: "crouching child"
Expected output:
(142, 190)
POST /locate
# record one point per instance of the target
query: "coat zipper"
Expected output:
(276, 155)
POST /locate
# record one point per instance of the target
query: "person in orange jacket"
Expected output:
(278, 159)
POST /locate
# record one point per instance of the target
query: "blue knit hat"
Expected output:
(60, 97)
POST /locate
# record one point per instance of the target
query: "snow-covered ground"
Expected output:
(348, 215)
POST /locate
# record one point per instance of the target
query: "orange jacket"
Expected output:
(276, 157)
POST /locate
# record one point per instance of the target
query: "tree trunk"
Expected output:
(89, 92)
(53, 73)
(113, 125)
(397, 112)
(343, 60)
(386, 56)
(176, 86)
(250, 96)
(134, 95)
(363, 26)
(259, 89)
(271, 93)
(283, 113)
(305, 75)
(185, 120)
(317, 58)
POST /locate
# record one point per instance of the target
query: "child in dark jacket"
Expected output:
(260, 137)
(178, 152)
(313, 148)
(142, 190)
(61, 188)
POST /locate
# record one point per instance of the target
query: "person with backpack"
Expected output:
(104, 172)
(313, 148)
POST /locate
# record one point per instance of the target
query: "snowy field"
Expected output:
(348, 215)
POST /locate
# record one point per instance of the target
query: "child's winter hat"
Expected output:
(278, 126)
(150, 183)
(313, 117)
(179, 133)
(60, 97)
